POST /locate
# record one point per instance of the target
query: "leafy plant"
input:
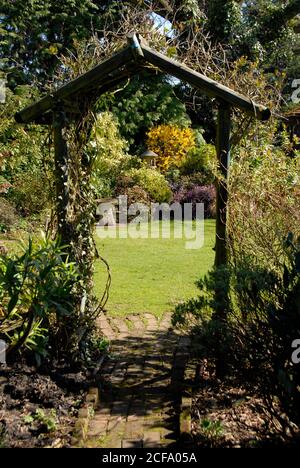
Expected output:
(30, 192)
(36, 298)
(264, 190)
(28, 419)
(136, 194)
(8, 215)
(108, 150)
(34, 34)
(101, 344)
(198, 194)
(269, 322)
(152, 182)
(211, 430)
(47, 421)
(26, 161)
(201, 160)
(171, 143)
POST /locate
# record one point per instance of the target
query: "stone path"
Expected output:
(140, 384)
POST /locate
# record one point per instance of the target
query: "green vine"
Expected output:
(75, 213)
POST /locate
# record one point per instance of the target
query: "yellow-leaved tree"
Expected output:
(171, 143)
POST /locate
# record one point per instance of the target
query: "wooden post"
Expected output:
(62, 176)
(222, 277)
(223, 155)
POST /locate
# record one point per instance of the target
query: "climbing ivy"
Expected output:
(76, 207)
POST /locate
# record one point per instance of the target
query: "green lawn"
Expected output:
(152, 275)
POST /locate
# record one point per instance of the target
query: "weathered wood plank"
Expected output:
(210, 87)
(137, 53)
(97, 75)
(135, 46)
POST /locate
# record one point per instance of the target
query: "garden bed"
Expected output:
(229, 414)
(39, 409)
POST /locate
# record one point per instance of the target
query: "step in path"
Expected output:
(141, 384)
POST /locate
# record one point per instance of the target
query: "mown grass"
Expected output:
(148, 275)
(152, 275)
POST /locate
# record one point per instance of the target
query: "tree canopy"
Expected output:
(34, 33)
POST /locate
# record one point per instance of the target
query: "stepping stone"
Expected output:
(104, 325)
(98, 426)
(134, 429)
(116, 425)
(120, 325)
(137, 323)
(151, 439)
(165, 325)
(152, 323)
(113, 441)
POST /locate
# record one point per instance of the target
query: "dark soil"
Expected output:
(38, 408)
(230, 415)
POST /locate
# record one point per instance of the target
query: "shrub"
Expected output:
(136, 194)
(8, 215)
(24, 157)
(4, 185)
(31, 193)
(271, 311)
(264, 189)
(268, 323)
(36, 291)
(123, 183)
(178, 182)
(263, 277)
(109, 153)
(198, 194)
(263, 321)
(152, 182)
(147, 100)
(201, 160)
(171, 143)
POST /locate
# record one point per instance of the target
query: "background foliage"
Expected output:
(171, 144)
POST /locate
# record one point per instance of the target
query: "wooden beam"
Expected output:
(223, 155)
(78, 85)
(135, 46)
(137, 52)
(44, 119)
(109, 84)
(210, 87)
(47, 118)
(118, 80)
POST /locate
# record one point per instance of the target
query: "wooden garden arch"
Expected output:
(53, 109)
